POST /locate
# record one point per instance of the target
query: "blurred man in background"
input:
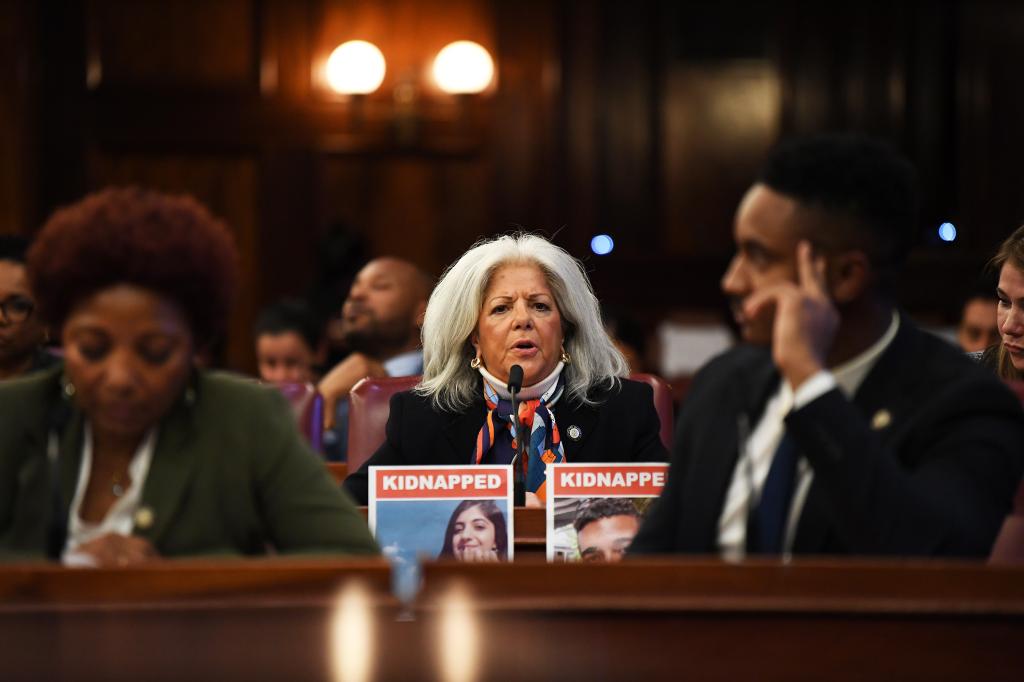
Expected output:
(381, 321)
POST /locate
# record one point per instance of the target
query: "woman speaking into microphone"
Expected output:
(517, 300)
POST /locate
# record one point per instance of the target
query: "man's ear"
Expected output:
(850, 276)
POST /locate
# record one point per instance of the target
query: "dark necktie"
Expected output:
(766, 524)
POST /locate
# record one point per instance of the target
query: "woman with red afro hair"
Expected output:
(127, 451)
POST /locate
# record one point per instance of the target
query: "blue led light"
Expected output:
(602, 245)
(947, 232)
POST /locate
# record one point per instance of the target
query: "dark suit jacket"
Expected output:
(230, 474)
(622, 427)
(936, 478)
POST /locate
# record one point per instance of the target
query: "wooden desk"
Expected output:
(338, 471)
(755, 585)
(528, 620)
(180, 581)
(709, 620)
(177, 620)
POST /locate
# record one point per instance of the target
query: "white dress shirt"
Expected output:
(406, 364)
(756, 453)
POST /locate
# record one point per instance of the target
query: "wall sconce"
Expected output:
(463, 68)
(356, 67)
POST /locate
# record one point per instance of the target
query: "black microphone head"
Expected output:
(515, 378)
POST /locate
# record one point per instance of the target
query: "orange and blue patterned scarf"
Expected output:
(545, 444)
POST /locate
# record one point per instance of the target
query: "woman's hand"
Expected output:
(114, 549)
(478, 555)
(531, 500)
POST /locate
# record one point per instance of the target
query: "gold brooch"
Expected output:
(881, 419)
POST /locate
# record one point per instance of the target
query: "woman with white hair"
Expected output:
(517, 300)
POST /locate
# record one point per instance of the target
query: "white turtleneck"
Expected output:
(528, 392)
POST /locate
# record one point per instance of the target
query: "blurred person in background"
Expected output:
(287, 339)
(380, 326)
(22, 332)
(978, 329)
(628, 336)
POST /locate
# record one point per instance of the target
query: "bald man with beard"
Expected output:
(381, 321)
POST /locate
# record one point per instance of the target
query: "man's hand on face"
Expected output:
(337, 384)
(805, 320)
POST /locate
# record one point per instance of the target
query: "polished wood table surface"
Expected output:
(191, 580)
(673, 619)
(756, 620)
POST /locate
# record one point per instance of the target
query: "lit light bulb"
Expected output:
(463, 67)
(947, 232)
(602, 244)
(356, 68)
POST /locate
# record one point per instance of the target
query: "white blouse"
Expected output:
(120, 517)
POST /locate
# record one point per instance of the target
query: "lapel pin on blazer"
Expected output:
(574, 432)
(881, 419)
(144, 518)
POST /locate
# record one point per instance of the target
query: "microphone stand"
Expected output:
(518, 484)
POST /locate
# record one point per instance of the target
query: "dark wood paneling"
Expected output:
(180, 43)
(991, 121)
(15, 120)
(721, 111)
(527, 146)
(644, 119)
(424, 209)
(57, 66)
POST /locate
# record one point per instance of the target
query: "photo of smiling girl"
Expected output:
(476, 531)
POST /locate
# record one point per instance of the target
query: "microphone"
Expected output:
(515, 384)
(515, 379)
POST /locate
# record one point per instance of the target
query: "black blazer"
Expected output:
(924, 461)
(622, 427)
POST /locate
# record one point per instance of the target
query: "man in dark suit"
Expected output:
(839, 427)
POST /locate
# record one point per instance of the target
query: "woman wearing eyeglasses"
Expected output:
(22, 333)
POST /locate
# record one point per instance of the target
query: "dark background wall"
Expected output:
(645, 120)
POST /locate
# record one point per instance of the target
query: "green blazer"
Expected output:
(230, 474)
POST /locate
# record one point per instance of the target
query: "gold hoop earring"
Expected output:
(67, 388)
(565, 357)
(475, 362)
